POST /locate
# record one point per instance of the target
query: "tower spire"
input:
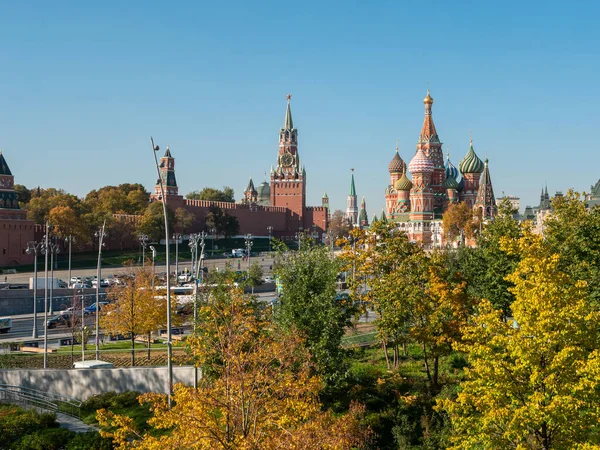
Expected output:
(486, 201)
(288, 123)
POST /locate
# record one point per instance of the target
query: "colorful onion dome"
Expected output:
(451, 183)
(396, 165)
(451, 170)
(428, 99)
(403, 184)
(471, 162)
(421, 163)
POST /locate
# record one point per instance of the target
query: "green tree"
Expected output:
(573, 231)
(224, 223)
(533, 383)
(212, 194)
(23, 195)
(309, 304)
(183, 219)
(255, 274)
(153, 222)
(486, 266)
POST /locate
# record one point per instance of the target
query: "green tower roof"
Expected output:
(4, 170)
(352, 187)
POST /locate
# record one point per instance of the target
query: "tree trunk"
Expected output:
(545, 438)
(132, 350)
(149, 336)
(387, 359)
(426, 364)
(405, 348)
(396, 356)
(436, 363)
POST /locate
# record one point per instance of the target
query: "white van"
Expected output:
(93, 364)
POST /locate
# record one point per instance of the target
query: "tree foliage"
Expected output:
(339, 226)
(217, 195)
(222, 222)
(309, 305)
(535, 382)
(459, 221)
(258, 391)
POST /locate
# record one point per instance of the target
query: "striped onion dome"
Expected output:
(451, 183)
(403, 184)
(396, 165)
(451, 170)
(421, 163)
(471, 162)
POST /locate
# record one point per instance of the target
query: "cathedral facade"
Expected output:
(417, 202)
(277, 208)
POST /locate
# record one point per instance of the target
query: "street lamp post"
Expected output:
(177, 236)
(153, 265)
(298, 237)
(270, 230)
(194, 238)
(249, 243)
(213, 232)
(53, 251)
(143, 242)
(100, 234)
(45, 251)
(196, 277)
(33, 247)
(69, 239)
(82, 292)
(155, 149)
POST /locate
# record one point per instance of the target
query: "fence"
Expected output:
(40, 399)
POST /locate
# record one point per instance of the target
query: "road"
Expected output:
(212, 264)
(22, 329)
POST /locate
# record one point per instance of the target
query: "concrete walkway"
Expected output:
(73, 424)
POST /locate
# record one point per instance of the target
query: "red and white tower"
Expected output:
(288, 187)
(429, 143)
(421, 197)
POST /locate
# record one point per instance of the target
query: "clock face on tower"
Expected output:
(287, 159)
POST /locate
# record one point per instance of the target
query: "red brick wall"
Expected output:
(14, 236)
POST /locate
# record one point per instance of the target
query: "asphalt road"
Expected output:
(212, 264)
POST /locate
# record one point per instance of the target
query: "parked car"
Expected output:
(92, 308)
(268, 279)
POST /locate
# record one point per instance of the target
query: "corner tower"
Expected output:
(288, 188)
(167, 175)
(352, 205)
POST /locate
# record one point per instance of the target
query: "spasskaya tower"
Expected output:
(288, 179)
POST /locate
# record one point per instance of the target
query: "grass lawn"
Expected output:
(112, 347)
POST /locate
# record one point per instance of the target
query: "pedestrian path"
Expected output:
(73, 424)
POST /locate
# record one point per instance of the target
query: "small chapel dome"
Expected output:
(403, 183)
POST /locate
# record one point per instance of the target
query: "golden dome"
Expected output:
(428, 98)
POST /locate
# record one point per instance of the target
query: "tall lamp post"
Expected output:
(144, 243)
(194, 239)
(100, 234)
(248, 239)
(213, 232)
(53, 251)
(298, 237)
(153, 250)
(45, 249)
(196, 277)
(270, 230)
(34, 247)
(69, 240)
(176, 237)
(155, 149)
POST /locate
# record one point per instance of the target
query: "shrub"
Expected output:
(46, 439)
(91, 440)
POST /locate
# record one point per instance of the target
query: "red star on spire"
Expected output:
(289, 96)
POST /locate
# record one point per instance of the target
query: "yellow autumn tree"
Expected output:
(134, 308)
(533, 382)
(258, 391)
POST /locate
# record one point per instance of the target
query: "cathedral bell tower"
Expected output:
(288, 187)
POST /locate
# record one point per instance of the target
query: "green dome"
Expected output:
(403, 184)
(471, 162)
(451, 183)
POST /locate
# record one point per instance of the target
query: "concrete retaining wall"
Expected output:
(81, 384)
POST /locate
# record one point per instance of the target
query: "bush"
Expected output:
(92, 440)
(96, 402)
(46, 439)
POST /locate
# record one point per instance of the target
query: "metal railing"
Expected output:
(40, 399)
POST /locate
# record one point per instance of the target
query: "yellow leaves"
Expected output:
(258, 391)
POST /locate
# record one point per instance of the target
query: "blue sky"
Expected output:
(83, 85)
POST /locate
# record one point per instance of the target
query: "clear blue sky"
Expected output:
(83, 85)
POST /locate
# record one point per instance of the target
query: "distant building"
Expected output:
(15, 230)
(593, 198)
(417, 204)
(515, 202)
